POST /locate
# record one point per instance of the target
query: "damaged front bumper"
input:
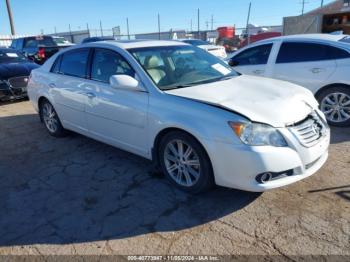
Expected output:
(11, 92)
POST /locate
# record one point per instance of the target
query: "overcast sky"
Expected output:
(32, 16)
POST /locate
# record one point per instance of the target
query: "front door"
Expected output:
(253, 61)
(116, 116)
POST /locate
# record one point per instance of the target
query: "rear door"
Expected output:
(68, 86)
(305, 63)
(254, 60)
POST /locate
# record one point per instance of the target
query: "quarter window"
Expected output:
(309, 52)
(56, 67)
(74, 63)
(254, 56)
(107, 63)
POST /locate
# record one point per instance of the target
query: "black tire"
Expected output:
(58, 131)
(206, 177)
(333, 90)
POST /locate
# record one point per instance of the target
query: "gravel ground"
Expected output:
(78, 196)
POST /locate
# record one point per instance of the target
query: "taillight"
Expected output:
(41, 53)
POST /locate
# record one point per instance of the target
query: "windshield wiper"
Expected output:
(175, 87)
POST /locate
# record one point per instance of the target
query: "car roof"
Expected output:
(320, 37)
(128, 44)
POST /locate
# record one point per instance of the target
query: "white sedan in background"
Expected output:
(218, 51)
(186, 110)
(319, 62)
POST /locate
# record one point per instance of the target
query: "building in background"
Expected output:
(331, 18)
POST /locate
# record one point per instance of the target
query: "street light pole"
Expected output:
(9, 11)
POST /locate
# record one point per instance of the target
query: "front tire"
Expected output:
(185, 162)
(49, 117)
(335, 104)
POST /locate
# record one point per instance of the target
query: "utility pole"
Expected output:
(88, 29)
(199, 24)
(303, 6)
(101, 28)
(322, 3)
(9, 11)
(248, 19)
(159, 27)
(127, 28)
(212, 22)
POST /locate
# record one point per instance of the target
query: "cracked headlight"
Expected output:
(255, 134)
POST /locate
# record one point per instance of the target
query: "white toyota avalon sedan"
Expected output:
(186, 110)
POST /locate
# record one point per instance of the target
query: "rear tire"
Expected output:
(49, 117)
(185, 162)
(335, 104)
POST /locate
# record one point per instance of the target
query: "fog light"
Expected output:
(264, 178)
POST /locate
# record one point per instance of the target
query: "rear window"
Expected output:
(345, 39)
(39, 41)
(74, 63)
(196, 42)
(309, 52)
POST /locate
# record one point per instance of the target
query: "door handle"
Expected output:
(317, 70)
(90, 95)
(52, 85)
(258, 72)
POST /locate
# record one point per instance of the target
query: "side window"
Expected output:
(309, 52)
(14, 44)
(337, 53)
(74, 63)
(31, 43)
(258, 55)
(107, 63)
(56, 66)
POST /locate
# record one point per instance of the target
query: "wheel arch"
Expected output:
(322, 89)
(164, 132)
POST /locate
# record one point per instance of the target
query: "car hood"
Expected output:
(9, 70)
(263, 100)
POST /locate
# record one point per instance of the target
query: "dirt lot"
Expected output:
(78, 196)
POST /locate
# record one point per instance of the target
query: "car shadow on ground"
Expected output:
(74, 190)
(339, 135)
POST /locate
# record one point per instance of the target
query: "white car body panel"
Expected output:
(252, 97)
(132, 120)
(311, 75)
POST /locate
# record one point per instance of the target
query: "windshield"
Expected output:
(11, 56)
(195, 42)
(172, 67)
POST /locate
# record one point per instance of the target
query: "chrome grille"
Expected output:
(18, 82)
(310, 130)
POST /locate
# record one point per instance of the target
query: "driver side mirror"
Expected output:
(233, 62)
(125, 82)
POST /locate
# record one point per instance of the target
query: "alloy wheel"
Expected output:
(49, 117)
(182, 163)
(336, 107)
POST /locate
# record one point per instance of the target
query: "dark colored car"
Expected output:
(97, 39)
(37, 48)
(15, 69)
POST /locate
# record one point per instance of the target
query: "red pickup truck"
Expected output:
(258, 37)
